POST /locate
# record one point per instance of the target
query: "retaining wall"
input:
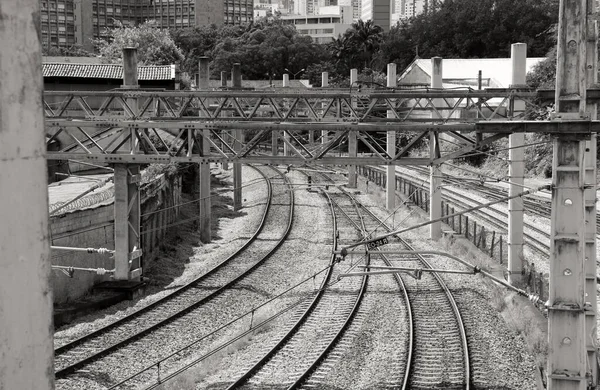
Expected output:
(94, 228)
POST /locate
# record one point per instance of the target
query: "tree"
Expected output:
(71, 51)
(367, 37)
(155, 46)
(265, 49)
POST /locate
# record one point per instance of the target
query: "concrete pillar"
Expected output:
(25, 295)
(390, 191)
(590, 199)
(324, 79)
(567, 359)
(516, 171)
(236, 75)
(286, 80)
(127, 194)
(286, 147)
(275, 142)
(223, 79)
(203, 73)
(435, 174)
(352, 142)
(237, 173)
(205, 201)
(127, 220)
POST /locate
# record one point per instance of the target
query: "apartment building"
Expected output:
(325, 26)
(65, 23)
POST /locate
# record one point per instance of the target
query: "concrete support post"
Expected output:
(236, 76)
(203, 73)
(127, 221)
(324, 84)
(223, 79)
(275, 142)
(205, 201)
(352, 141)
(390, 190)
(516, 171)
(237, 173)
(286, 147)
(324, 79)
(435, 173)
(25, 295)
(286, 80)
(127, 195)
(590, 199)
(567, 360)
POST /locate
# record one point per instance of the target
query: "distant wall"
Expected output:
(94, 228)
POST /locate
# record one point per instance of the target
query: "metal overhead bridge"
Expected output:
(137, 126)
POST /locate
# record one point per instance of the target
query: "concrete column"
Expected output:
(435, 174)
(236, 75)
(130, 81)
(237, 173)
(590, 199)
(352, 142)
(567, 337)
(127, 220)
(286, 147)
(286, 80)
(324, 79)
(324, 84)
(203, 73)
(205, 201)
(223, 79)
(516, 171)
(390, 191)
(275, 142)
(25, 296)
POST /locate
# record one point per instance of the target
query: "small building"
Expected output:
(331, 22)
(496, 72)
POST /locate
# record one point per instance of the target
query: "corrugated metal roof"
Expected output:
(106, 71)
(498, 70)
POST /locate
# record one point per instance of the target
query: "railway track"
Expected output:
(317, 325)
(158, 322)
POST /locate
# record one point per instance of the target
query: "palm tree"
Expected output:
(368, 36)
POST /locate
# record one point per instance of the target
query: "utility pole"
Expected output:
(567, 308)
(25, 297)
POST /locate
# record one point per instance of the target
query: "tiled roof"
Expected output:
(106, 71)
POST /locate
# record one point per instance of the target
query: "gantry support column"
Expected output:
(516, 171)
(590, 199)
(390, 187)
(204, 171)
(567, 368)
(352, 141)
(25, 295)
(225, 165)
(127, 193)
(286, 80)
(324, 84)
(435, 173)
(236, 76)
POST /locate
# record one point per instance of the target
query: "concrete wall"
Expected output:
(95, 228)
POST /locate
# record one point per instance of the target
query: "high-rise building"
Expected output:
(379, 11)
(68, 22)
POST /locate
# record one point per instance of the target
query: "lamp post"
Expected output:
(294, 74)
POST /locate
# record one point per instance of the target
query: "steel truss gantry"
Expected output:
(168, 126)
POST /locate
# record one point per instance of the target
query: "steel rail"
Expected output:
(309, 310)
(298, 383)
(451, 300)
(62, 373)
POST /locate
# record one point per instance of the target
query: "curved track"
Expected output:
(159, 318)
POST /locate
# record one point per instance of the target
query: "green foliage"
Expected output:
(72, 51)
(473, 29)
(543, 74)
(265, 49)
(155, 46)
